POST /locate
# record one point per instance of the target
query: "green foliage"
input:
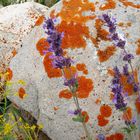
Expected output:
(12, 124)
(131, 128)
(9, 2)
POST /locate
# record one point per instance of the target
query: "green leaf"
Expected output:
(8, 137)
(15, 111)
(78, 119)
(127, 130)
(22, 82)
(8, 83)
(1, 127)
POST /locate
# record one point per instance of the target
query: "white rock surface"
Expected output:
(16, 21)
(43, 92)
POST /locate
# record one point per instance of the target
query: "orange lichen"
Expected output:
(101, 33)
(42, 45)
(98, 24)
(74, 33)
(73, 23)
(105, 110)
(14, 52)
(110, 72)
(85, 72)
(111, 137)
(21, 93)
(56, 108)
(109, 5)
(102, 121)
(104, 55)
(65, 94)
(9, 74)
(69, 72)
(72, 11)
(117, 136)
(85, 115)
(51, 72)
(98, 101)
(138, 49)
(82, 67)
(127, 86)
(129, 24)
(137, 104)
(127, 3)
(121, 24)
(127, 115)
(111, 96)
(85, 86)
(52, 14)
(39, 21)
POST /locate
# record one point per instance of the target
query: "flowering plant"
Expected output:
(120, 96)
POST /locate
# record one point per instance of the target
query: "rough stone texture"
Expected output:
(43, 92)
(16, 21)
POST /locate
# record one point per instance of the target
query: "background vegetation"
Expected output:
(44, 2)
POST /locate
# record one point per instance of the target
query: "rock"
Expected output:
(16, 21)
(43, 87)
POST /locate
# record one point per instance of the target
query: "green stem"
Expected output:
(83, 123)
(5, 104)
(75, 98)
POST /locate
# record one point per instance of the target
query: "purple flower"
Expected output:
(106, 18)
(136, 87)
(71, 82)
(55, 39)
(101, 137)
(128, 57)
(111, 23)
(125, 70)
(118, 97)
(112, 28)
(130, 78)
(117, 89)
(121, 43)
(75, 112)
(115, 37)
(49, 24)
(134, 120)
(61, 62)
(116, 70)
(115, 80)
(131, 122)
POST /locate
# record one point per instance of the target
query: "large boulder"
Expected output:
(16, 21)
(85, 41)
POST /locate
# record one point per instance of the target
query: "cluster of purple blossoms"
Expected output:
(55, 40)
(131, 122)
(117, 89)
(120, 42)
(130, 78)
(101, 137)
(115, 37)
(74, 112)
